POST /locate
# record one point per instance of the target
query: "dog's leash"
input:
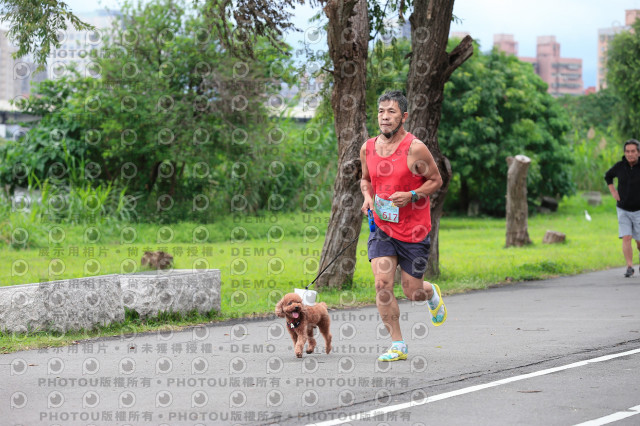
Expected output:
(331, 263)
(372, 227)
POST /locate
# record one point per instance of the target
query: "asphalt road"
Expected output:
(556, 352)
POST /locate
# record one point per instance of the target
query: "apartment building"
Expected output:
(16, 75)
(81, 47)
(563, 75)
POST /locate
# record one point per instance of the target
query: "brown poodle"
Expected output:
(302, 319)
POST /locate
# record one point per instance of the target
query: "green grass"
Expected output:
(281, 252)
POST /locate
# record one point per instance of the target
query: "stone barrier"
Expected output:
(177, 290)
(73, 304)
(85, 303)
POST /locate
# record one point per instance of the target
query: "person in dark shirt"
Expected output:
(628, 199)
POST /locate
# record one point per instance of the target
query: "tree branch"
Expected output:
(459, 55)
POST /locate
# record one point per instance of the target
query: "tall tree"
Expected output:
(348, 38)
(624, 76)
(34, 26)
(430, 68)
(495, 107)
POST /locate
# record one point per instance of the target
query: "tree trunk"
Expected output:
(517, 209)
(348, 37)
(430, 68)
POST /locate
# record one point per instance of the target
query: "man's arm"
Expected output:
(423, 164)
(365, 181)
(608, 177)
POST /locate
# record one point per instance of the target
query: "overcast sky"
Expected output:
(575, 23)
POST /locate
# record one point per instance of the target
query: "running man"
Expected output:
(398, 175)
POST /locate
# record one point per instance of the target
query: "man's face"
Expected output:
(390, 116)
(631, 153)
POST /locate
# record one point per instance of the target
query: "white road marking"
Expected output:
(383, 410)
(612, 417)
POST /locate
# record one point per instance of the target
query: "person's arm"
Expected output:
(423, 165)
(365, 182)
(614, 192)
(608, 177)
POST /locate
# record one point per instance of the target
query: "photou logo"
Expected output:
(237, 365)
(199, 365)
(55, 366)
(127, 366)
(18, 400)
(237, 399)
(164, 365)
(18, 366)
(55, 399)
(275, 398)
(163, 399)
(275, 365)
(90, 399)
(310, 398)
(346, 397)
(90, 366)
(127, 399)
(199, 399)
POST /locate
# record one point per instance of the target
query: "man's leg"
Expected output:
(626, 233)
(627, 250)
(418, 290)
(384, 269)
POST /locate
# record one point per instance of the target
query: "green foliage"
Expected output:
(623, 75)
(170, 115)
(593, 155)
(594, 137)
(592, 110)
(34, 25)
(45, 150)
(494, 106)
(387, 69)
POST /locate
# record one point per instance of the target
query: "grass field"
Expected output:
(261, 258)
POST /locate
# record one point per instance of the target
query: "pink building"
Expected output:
(506, 43)
(605, 35)
(563, 75)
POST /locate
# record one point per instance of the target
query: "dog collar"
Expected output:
(293, 324)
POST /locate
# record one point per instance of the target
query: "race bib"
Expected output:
(386, 210)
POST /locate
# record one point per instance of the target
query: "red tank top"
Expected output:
(391, 174)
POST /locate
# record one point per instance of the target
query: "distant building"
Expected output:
(563, 75)
(605, 35)
(506, 43)
(81, 47)
(16, 75)
(459, 34)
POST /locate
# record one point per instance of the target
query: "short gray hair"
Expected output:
(632, 142)
(395, 95)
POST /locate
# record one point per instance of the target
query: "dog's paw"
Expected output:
(298, 354)
(310, 351)
(328, 349)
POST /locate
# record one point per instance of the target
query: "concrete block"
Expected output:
(177, 290)
(594, 198)
(65, 305)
